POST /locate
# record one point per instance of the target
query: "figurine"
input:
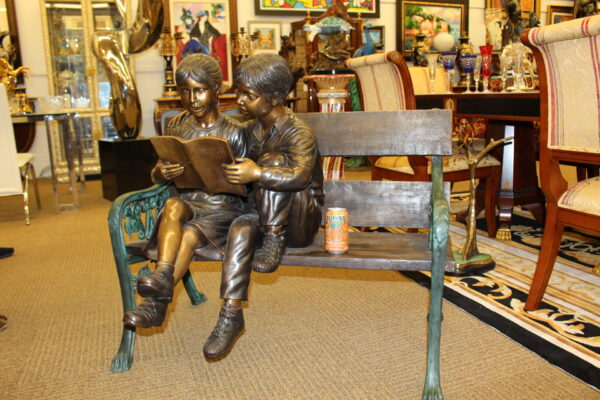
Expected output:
(516, 24)
(584, 8)
(192, 220)
(287, 178)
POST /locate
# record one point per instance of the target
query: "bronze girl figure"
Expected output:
(192, 220)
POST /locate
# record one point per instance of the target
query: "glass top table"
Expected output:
(71, 141)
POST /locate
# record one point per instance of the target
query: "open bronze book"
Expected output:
(201, 159)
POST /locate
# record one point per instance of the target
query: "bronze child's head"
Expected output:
(201, 68)
(199, 79)
(267, 74)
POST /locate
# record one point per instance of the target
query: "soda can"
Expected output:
(336, 230)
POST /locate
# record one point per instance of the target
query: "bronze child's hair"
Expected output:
(201, 68)
(268, 74)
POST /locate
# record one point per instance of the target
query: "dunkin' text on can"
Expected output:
(336, 230)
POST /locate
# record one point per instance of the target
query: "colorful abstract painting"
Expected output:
(203, 27)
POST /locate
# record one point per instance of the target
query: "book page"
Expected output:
(208, 154)
(170, 149)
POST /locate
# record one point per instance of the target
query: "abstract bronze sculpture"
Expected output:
(126, 111)
(193, 220)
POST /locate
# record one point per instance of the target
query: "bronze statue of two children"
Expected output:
(276, 153)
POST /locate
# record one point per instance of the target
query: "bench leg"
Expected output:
(124, 357)
(433, 387)
(196, 297)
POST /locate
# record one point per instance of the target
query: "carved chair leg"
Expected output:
(196, 297)
(550, 243)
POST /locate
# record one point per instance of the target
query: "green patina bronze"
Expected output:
(131, 218)
(438, 239)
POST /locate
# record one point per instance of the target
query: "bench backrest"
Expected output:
(382, 133)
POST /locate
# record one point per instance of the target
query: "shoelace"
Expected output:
(148, 309)
(225, 322)
(271, 243)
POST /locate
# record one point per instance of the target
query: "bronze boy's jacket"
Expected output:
(301, 173)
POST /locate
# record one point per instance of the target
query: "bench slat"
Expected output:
(370, 250)
(382, 203)
(382, 133)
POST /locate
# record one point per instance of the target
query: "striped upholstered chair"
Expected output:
(385, 84)
(568, 62)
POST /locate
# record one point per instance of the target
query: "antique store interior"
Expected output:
(512, 235)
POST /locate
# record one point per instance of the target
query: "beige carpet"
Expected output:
(311, 333)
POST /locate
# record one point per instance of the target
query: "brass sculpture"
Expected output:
(112, 49)
(9, 78)
(281, 163)
(468, 258)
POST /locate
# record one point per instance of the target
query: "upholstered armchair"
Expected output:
(385, 84)
(568, 62)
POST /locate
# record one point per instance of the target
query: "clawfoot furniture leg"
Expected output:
(124, 358)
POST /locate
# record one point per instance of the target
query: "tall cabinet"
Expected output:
(75, 73)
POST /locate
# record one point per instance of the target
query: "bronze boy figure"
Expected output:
(191, 220)
(284, 168)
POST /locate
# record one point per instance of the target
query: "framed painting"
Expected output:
(366, 8)
(431, 17)
(204, 26)
(377, 35)
(558, 14)
(527, 6)
(269, 36)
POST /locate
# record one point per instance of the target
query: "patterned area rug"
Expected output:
(566, 329)
(581, 248)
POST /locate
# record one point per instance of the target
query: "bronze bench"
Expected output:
(369, 203)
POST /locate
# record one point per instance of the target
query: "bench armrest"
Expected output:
(135, 214)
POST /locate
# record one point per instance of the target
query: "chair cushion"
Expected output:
(456, 162)
(583, 196)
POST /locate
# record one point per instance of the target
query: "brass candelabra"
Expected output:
(167, 49)
(243, 44)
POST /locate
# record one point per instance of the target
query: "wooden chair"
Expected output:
(16, 169)
(385, 84)
(568, 62)
(369, 203)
